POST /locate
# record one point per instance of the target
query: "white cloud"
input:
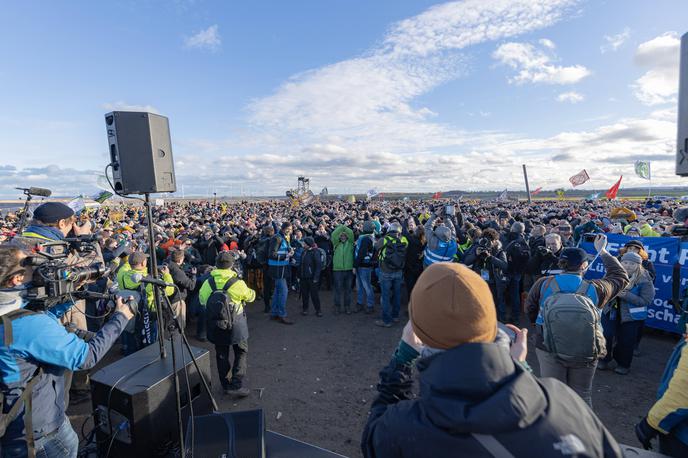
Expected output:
(207, 39)
(614, 42)
(124, 106)
(571, 97)
(547, 43)
(367, 101)
(534, 65)
(659, 85)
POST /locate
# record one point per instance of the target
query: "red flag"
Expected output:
(611, 194)
(536, 192)
(437, 195)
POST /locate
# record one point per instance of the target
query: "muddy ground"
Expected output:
(319, 375)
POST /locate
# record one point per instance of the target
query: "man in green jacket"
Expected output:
(342, 267)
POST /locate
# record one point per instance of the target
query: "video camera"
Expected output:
(54, 280)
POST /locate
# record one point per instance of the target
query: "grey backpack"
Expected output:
(572, 331)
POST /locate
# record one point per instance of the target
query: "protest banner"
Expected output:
(664, 252)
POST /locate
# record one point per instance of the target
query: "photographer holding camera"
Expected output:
(546, 258)
(488, 259)
(35, 353)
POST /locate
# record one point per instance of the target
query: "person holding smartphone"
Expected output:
(468, 371)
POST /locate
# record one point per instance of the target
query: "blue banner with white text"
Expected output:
(664, 252)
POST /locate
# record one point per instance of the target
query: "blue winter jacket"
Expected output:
(41, 340)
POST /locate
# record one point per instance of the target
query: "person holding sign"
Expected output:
(623, 317)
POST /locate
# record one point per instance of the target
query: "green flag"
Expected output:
(642, 169)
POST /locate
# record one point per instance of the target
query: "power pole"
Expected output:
(525, 177)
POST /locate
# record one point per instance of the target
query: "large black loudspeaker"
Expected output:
(140, 152)
(136, 396)
(243, 435)
(682, 138)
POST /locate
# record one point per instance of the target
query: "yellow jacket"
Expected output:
(238, 293)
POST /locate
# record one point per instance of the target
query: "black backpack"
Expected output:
(220, 308)
(394, 254)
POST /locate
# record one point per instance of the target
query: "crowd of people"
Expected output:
(462, 266)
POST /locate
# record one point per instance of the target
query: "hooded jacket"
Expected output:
(477, 388)
(441, 242)
(343, 258)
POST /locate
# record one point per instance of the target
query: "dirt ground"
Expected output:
(319, 376)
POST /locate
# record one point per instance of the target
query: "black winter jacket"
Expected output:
(184, 282)
(477, 388)
(311, 264)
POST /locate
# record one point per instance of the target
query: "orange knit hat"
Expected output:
(451, 305)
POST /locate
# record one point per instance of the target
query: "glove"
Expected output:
(645, 433)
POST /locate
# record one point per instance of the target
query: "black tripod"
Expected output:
(174, 325)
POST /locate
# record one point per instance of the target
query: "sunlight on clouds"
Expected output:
(659, 85)
(535, 66)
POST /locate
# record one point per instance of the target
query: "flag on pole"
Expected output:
(101, 196)
(371, 193)
(437, 195)
(642, 169)
(536, 192)
(503, 195)
(579, 178)
(611, 194)
(560, 192)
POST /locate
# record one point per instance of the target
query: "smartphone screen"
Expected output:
(509, 332)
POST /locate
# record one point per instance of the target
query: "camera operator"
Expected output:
(53, 222)
(33, 361)
(488, 259)
(546, 258)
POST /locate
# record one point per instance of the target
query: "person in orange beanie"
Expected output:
(477, 396)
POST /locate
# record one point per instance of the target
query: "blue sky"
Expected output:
(395, 95)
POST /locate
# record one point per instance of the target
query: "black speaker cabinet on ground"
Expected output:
(140, 152)
(136, 395)
(242, 435)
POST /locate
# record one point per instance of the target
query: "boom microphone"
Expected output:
(42, 192)
(138, 278)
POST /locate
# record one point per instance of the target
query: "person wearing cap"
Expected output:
(440, 241)
(364, 263)
(623, 317)
(237, 337)
(573, 263)
(145, 330)
(311, 268)
(477, 398)
(52, 222)
(392, 258)
(35, 359)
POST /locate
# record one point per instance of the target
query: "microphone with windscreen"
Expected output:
(41, 192)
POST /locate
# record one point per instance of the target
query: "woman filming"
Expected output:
(623, 317)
